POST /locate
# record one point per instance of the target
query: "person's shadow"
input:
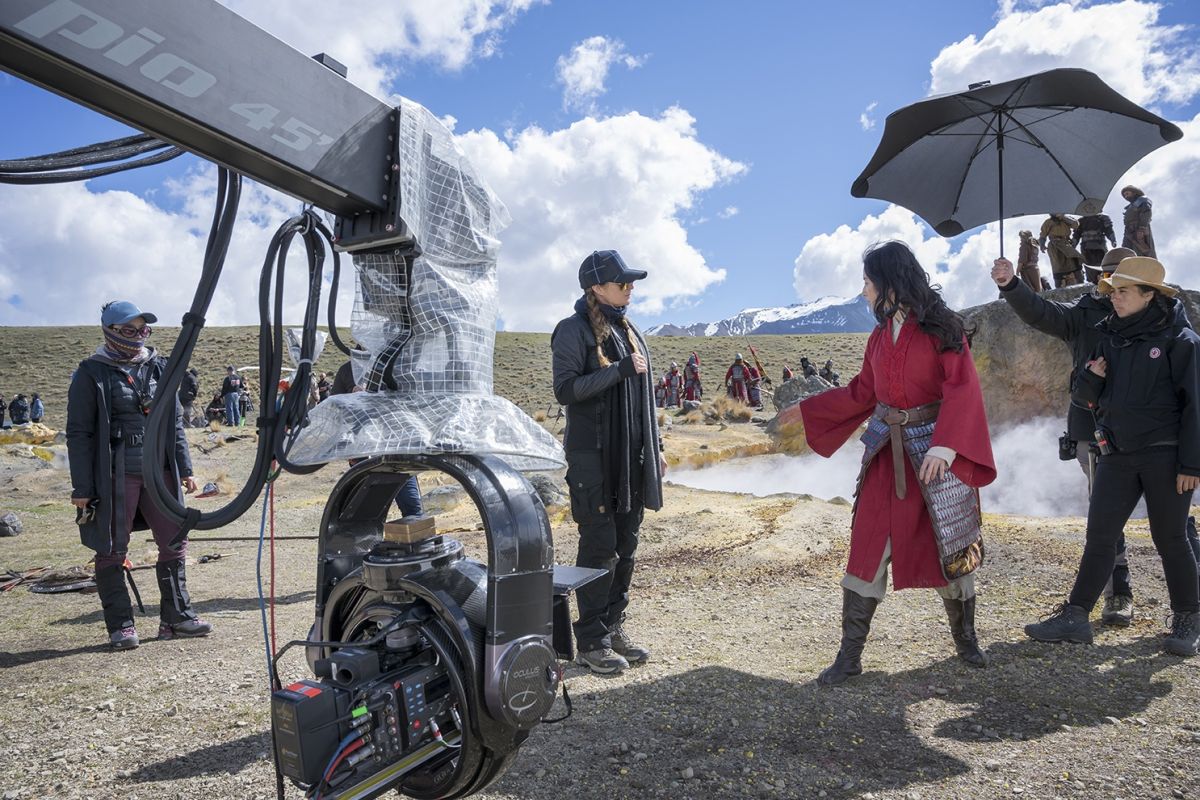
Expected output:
(741, 734)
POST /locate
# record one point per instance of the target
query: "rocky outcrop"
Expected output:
(791, 392)
(1025, 373)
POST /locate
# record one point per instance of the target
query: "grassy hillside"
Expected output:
(42, 359)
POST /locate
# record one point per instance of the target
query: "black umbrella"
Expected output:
(1056, 141)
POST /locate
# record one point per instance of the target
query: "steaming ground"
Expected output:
(1032, 481)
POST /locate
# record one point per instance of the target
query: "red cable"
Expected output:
(338, 762)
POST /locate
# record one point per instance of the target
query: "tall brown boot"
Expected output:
(857, 612)
(961, 614)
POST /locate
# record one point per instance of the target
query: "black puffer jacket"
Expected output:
(1151, 392)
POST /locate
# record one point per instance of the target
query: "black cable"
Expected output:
(65, 165)
(89, 154)
(333, 293)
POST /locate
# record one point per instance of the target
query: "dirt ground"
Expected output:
(737, 598)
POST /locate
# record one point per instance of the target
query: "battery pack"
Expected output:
(304, 742)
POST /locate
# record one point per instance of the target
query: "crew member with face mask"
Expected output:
(107, 407)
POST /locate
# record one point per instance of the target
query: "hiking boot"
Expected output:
(1118, 611)
(602, 661)
(123, 639)
(624, 646)
(857, 612)
(187, 629)
(1067, 623)
(1185, 634)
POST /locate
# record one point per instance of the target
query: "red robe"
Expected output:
(908, 373)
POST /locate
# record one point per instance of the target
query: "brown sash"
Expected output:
(895, 419)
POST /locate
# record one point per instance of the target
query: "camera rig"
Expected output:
(430, 668)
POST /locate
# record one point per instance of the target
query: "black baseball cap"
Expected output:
(607, 266)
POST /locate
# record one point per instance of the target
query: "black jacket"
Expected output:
(189, 387)
(1151, 392)
(92, 447)
(231, 385)
(589, 393)
(1075, 323)
(18, 409)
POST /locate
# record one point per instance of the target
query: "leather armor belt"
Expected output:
(896, 419)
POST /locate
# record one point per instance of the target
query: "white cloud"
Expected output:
(618, 182)
(65, 250)
(865, 119)
(729, 212)
(447, 32)
(583, 71)
(1121, 42)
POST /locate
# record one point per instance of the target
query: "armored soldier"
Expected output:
(691, 379)
(1138, 237)
(1065, 261)
(1027, 262)
(1089, 238)
(737, 380)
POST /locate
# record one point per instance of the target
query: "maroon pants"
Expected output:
(163, 528)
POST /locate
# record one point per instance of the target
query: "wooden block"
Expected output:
(409, 530)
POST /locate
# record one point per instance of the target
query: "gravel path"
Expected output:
(736, 596)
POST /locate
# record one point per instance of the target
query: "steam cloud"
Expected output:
(1031, 481)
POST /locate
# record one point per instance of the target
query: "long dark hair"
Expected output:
(903, 283)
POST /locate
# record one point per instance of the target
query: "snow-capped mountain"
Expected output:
(827, 315)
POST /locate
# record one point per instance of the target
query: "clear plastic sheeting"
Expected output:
(431, 316)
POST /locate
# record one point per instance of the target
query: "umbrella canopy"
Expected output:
(1056, 141)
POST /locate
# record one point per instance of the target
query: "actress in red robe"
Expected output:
(916, 358)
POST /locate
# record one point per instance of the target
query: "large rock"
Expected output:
(791, 392)
(1024, 373)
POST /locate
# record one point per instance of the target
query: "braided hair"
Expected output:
(601, 329)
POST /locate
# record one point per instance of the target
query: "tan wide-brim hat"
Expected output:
(1138, 271)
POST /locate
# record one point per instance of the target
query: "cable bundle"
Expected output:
(66, 166)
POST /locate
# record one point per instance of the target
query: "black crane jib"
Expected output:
(195, 74)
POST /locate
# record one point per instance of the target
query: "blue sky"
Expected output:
(757, 109)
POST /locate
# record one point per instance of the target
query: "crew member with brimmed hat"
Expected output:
(614, 455)
(108, 403)
(1142, 386)
(1075, 323)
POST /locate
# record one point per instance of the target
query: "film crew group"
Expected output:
(927, 452)
(107, 406)
(1142, 383)
(614, 455)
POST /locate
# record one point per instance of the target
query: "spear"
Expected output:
(762, 372)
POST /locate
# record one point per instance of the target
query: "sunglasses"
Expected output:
(130, 332)
(622, 286)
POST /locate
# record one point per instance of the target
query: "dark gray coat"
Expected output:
(589, 394)
(91, 450)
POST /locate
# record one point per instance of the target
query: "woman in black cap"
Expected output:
(107, 406)
(614, 455)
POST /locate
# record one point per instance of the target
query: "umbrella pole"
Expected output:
(1000, 169)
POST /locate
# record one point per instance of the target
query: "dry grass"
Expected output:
(725, 407)
(522, 360)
